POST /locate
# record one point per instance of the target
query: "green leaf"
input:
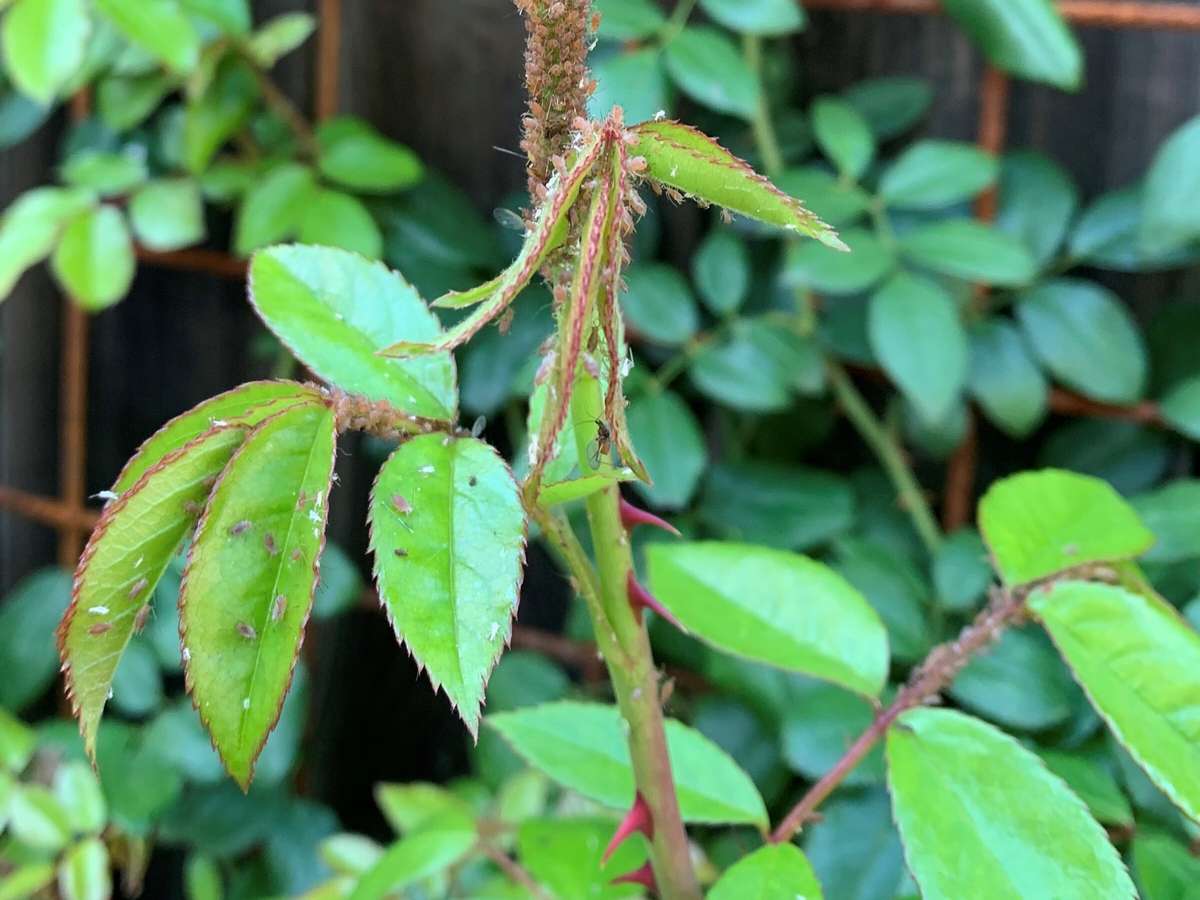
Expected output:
(137, 686)
(1005, 380)
(355, 155)
(106, 173)
(17, 742)
(448, 534)
(219, 113)
(274, 207)
(1041, 523)
(780, 870)
(126, 101)
(1129, 456)
(791, 508)
(972, 251)
(37, 819)
(628, 20)
(44, 43)
(633, 80)
(1163, 866)
(933, 174)
(818, 268)
(820, 722)
(721, 270)
(1026, 37)
(1171, 197)
(671, 445)
(919, 340)
(707, 66)
(202, 878)
(1019, 682)
(350, 854)
(246, 406)
(158, 26)
(773, 607)
(843, 136)
(771, 18)
(960, 792)
(1084, 335)
(1107, 236)
(732, 372)
(1181, 408)
(409, 807)
(28, 661)
(890, 105)
(659, 305)
(683, 158)
(19, 115)
(335, 311)
(583, 747)
(566, 855)
(1172, 513)
(831, 199)
(1038, 202)
(94, 261)
(26, 881)
(1137, 659)
(128, 552)
(31, 227)
(83, 873)
(961, 572)
(249, 583)
(1093, 784)
(334, 219)
(438, 845)
(168, 214)
(854, 847)
(279, 37)
(895, 588)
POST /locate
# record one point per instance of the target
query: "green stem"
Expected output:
(764, 127)
(890, 455)
(675, 24)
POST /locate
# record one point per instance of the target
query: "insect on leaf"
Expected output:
(248, 586)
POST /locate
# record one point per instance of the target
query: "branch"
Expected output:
(513, 870)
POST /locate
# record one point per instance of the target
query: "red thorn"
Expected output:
(632, 517)
(641, 599)
(637, 819)
(643, 876)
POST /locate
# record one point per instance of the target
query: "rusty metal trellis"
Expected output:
(68, 513)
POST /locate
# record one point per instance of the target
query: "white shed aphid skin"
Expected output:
(426, 470)
(98, 610)
(187, 654)
(239, 528)
(246, 703)
(138, 586)
(314, 516)
(106, 496)
(246, 631)
(217, 423)
(278, 608)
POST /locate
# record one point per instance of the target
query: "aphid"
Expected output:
(278, 608)
(99, 628)
(401, 505)
(246, 631)
(139, 621)
(472, 481)
(301, 500)
(138, 586)
(400, 552)
(239, 528)
(296, 555)
(269, 542)
(191, 507)
(506, 218)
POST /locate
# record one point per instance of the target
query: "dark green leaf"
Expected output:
(335, 219)
(890, 105)
(28, 660)
(671, 445)
(933, 174)
(1093, 784)
(775, 871)
(659, 304)
(340, 586)
(1165, 869)
(706, 66)
(833, 200)
(765, 17)
(818, 268)
(822, 721)
(1025, 37)
(355, 155)
(137, 685)
(973, 251)
(1038, 201)
(721, 269)
(1171, 199)
(1107, 236)
(734, 373)
(1131, 458)
(1004, 378)
(19, 116)
(961, 572)
(1181, 408)
(895, 588)
(633, 80)
(628, 20)
(1172, 513)
(854, 847)
(843, 136)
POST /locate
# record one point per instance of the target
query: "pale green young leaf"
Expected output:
(83, 872)
(774, 607)
(78, 791)
(279, 37)
(439, 844)
(706, 65)
(127, 554)
(1093, 783)
(106, 173)
(970, 250)
(1137, 660)
(37, 819)
(168, 214)
(583, 747)
(31, 227)
(1005, 379)
(1026, 37)
(843, 136)
(779, 870)
(248, 587)
(721, 270)
(918, 338)
(231, 16)
(448, 534)
(960, 793)
(350, 854)
(26, 881)
(567, 856)
(94, 259)
(1171, 197)
(213, 118)
(335, 310)
(17, 743)
(771, 18)
(273, 208)
(245, 405)
(1041, 523)
(354, 154)
(818, 268)
(334, 219)
(202, 878)
(932, 174)
(1086, 337)
(44, 44)
(407, 807)
(159, 27)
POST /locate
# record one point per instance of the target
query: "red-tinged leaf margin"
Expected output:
(689, 141)
(538, 244)
(111, 512)
(144, 456)
(472, 723)
(316, 577)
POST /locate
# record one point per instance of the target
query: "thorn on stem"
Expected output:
(643, 876)
(641, 599)
(631, 517)
(637, 819)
